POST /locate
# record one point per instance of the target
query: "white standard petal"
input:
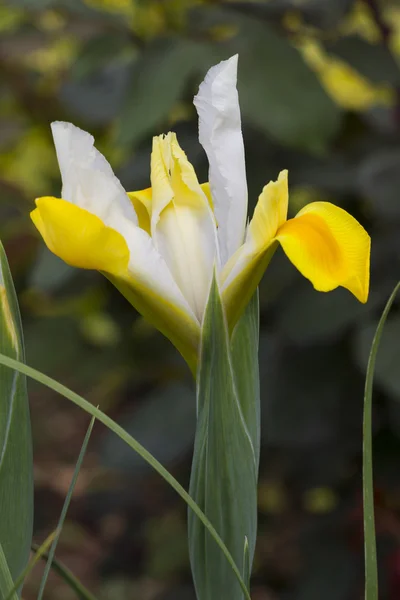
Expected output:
(220, 134)
(185, 238)
(87, 178)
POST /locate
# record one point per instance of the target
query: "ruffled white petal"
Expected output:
(220, 134)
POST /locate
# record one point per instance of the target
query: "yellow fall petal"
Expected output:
(78, 237)
(329, 247)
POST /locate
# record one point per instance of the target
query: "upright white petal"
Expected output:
(89, 182)
(220, 134)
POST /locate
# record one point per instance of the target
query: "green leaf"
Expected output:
(134, 444)
(16, 467)
(244, 354)
(223, 479)
(64, 510)
(157, 82)
(371, 571)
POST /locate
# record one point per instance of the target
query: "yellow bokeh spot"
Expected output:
(360, 21)
(320, 500)
(345, 85)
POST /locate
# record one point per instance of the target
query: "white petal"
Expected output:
(186, 239)
(87, 178)
(220, 134)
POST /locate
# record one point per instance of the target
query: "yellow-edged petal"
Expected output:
(329, 247)
(244, 270)
(173, 178)
(270, 212)
(80, 238)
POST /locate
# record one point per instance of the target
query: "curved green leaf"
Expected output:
(16, 466)
(223, 478)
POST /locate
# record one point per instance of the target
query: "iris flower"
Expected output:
(160, 246)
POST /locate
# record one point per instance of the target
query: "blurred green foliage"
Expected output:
(319, 85)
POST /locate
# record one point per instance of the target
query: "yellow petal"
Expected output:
(187, 190)
(244, 270)
(270, 212)
(141, 201)
(329, 247)
(173, 178)
(80, 238)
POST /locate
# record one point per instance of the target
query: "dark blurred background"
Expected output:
(319, 84)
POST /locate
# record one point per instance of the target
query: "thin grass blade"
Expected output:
(6, 582)
(41, 550)
(65, 508)
(371, 570)
(69, 578)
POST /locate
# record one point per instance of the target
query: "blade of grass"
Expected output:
(134, 444)
(6, 582)
(371, 570)
(68, 577)
(65, 508)
(41, 550)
